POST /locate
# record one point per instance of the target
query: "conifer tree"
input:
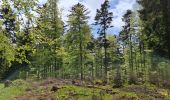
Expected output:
(78, 34)
(104, 20)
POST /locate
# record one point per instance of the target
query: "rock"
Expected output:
(54, 88)
(7, 83)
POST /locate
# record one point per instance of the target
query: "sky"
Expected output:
(118, 7)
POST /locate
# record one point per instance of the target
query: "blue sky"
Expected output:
(118, 7)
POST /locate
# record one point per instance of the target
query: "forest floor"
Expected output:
(65, 89)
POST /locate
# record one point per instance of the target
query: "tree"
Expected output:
(10, 15)
(154, 16)
(129, 37)
(7, 52)
(78, 34)
(49, 34)
(9, 20)
(25, 40)
(155, 30)
(104, 19)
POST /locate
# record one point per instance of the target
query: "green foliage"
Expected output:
(7, 53)
(155, 23)
(104, 19)
(77, 38)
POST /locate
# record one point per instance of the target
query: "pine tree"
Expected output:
(104, 19)
(78, 34)
(50, 33)
(157, 29)
(128, 38)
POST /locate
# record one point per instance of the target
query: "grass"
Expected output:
(68, 91)
(71, 92)
(167, 98)
(130, 95)
(18, 87)
(80, 93)
(1, 86)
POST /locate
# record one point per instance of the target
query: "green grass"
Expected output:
(80, 93)
(1, 86)
(127, 95)
(167, 98)
(18, 87)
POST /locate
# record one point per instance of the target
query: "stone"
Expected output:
(54, 88)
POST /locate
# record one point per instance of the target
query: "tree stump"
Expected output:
(7, 83)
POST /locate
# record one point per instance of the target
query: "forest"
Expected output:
(45, 57)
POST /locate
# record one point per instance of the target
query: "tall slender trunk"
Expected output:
(101, 69)
(80, 48)
(105, 52)
(81, 60)
(131, 52)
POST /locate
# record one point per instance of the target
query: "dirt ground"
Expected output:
(46, 89)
